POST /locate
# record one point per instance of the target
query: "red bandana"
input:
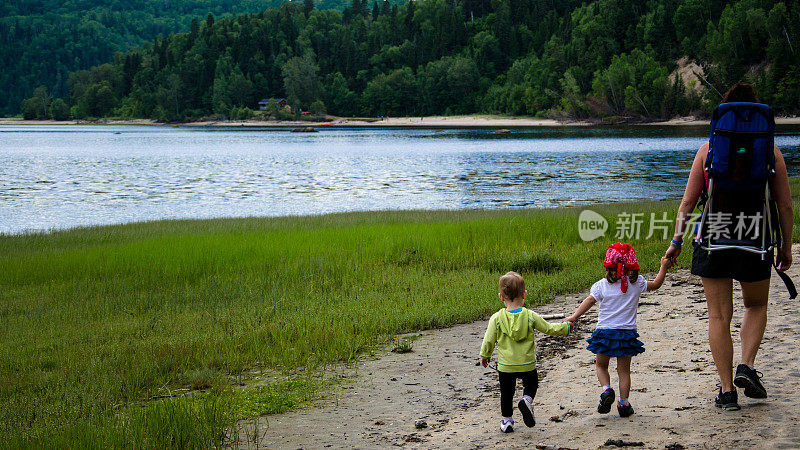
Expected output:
(621, 256)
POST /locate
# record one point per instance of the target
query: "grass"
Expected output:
(162, 334)
(403, 346)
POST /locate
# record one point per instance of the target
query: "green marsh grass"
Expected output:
(102, 326)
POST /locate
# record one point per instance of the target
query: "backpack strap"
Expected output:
(786, 280)
(778, 239)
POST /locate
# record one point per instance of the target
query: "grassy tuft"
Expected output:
(403, 346)
(540, 262)
(273, 397)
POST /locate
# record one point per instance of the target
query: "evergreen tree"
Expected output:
(301, 80)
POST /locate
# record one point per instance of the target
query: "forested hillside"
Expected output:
(603, 58)
(42, 41)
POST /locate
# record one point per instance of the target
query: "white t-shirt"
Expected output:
(617, 309)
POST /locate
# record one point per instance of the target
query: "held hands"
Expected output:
(667, 263)
(672, 253)
(484, 362)
(571, 320)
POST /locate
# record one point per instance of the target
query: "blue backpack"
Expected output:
(740, 152)
(738, 209)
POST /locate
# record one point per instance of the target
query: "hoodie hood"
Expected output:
(515, 325)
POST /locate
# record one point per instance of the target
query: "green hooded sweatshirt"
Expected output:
(512, 332)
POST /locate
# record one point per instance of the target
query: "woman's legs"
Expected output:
(754, 322)
(601, 367)
(719, 298)
(624, 372)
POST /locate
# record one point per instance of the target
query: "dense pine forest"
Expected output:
(42, 41)
(633, 60)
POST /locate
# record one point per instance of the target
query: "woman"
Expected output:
(749, 269)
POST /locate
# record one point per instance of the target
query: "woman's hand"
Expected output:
(785, 258)
(485, 362)
(672, 253)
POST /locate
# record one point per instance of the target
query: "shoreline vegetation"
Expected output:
(164, 334)
(466, 121)
(619, 61)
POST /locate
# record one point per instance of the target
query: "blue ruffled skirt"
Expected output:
(615, 342)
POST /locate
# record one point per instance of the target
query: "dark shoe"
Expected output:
(606, 400)
(527, 413)
(749, 380)
(729, 401)
(625, 410)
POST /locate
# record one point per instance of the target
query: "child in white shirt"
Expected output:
(617, 298)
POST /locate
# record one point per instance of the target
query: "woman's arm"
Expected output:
(779, 187)
(694, 187)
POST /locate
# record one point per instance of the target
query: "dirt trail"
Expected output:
(674, 383)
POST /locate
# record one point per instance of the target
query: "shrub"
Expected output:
(59, 110)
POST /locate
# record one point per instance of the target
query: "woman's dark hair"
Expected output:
(740, 92)
(611, 275)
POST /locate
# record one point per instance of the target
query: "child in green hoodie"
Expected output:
(511, 330)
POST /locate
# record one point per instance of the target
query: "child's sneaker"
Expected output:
(526, 409)
(606, 400)
(507, 425)
(625, 409)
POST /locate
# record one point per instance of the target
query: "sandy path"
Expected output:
(673, 382)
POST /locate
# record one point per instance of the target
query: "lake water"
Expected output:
(54, 177)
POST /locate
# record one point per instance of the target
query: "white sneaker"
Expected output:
(527, 412)
(507, 425)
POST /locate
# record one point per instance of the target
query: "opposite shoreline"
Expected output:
(407, 122)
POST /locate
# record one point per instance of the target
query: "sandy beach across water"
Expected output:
(673, 387)
(430, 121)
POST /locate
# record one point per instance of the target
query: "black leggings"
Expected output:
(508, 384)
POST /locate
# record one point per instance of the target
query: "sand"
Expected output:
(673, 387)
(431, 121)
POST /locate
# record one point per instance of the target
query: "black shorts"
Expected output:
(737, 264)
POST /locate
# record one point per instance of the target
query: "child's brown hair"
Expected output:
(611, 275)
(512, 286)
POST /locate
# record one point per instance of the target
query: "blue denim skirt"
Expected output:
(615, 342)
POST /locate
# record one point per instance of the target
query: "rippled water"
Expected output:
(66, 176)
